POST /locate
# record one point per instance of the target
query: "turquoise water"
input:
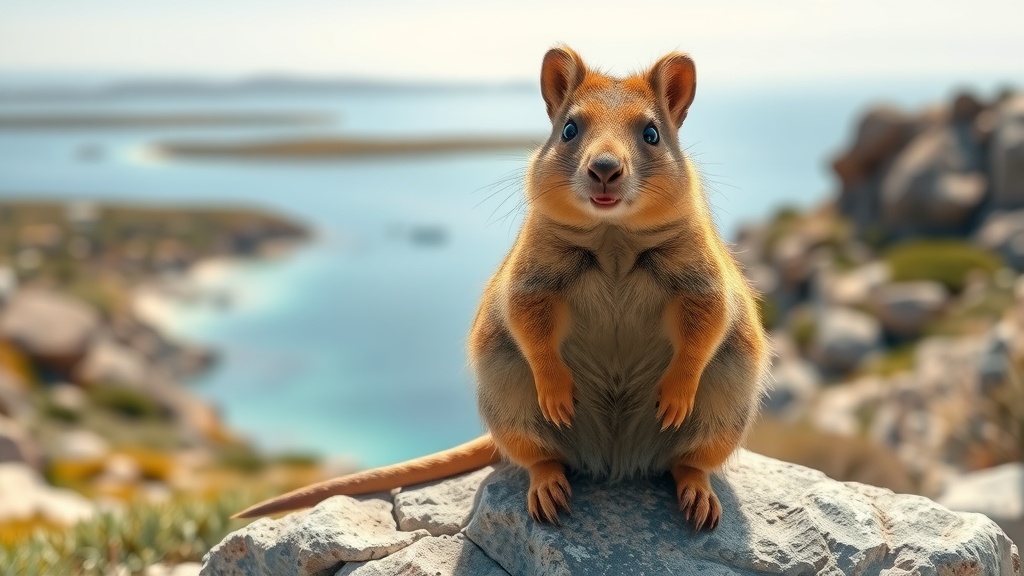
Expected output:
(354, 345)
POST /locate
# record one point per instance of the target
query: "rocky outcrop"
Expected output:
(778, 519)
(1007, 155)
(933, 173)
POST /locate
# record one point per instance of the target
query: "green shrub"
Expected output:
(125, 401)
(948, 262)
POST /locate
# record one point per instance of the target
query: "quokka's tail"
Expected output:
(464, 458)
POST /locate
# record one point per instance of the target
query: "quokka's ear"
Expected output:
(561, 72)
(674, 79)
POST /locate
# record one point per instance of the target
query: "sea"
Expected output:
(353, 345)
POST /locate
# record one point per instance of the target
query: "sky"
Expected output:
(462, 40)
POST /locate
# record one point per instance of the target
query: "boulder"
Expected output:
(109, 362)
(881, 134)
(934, 186)
(794, 383)
(1003, 232)
(48, 326)
(319, 541)
(24, 496)
(854, 287)
(995, 492)
(906, 308)
(1006, 154)
(441, 508)
(843, 338)
(778, 518)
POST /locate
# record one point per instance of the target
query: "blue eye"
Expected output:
(651, 135)
(570, 131)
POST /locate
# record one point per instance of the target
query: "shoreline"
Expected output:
(333, 148)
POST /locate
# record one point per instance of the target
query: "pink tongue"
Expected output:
(604, 199)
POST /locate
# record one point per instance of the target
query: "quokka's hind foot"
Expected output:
(549, 492)
(697, 500)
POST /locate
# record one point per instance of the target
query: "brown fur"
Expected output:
(618, 338)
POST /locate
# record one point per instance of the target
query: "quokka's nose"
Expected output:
(604, 168)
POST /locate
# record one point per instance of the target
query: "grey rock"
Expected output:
(843, 338)
(1006, 154)
(1003, 232)
(933, 186)
(443, 556)
(441, 507)
(778, 518)
(340, 529)
(854, 287)
(906, 308)
(794, 383)
(48, 325)
(996, 492)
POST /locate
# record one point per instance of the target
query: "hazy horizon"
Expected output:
(458, 41)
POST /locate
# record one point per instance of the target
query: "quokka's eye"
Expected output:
(651, 135)
(570, 131)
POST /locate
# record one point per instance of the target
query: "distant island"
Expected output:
(326, 148)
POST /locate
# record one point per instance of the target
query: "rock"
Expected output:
(996, 492)
(1006, 153)
(24, 495)
(934, 186)
(794, 383)
(119, 471)
(8, 282)
(843, 338)
(79, 444)
(778, 518)
(854, 287)
(443, 556)
(439, 507)
(338, 530)
(906, 308)
(49, 326)
(185, 569)
(108, 362)
(68, 398)
(16, 445)
(14, 400)
(1003, 233)
(881, 134)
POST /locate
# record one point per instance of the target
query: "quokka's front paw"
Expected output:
(675, 403)
(556, 405)
(554, 395)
